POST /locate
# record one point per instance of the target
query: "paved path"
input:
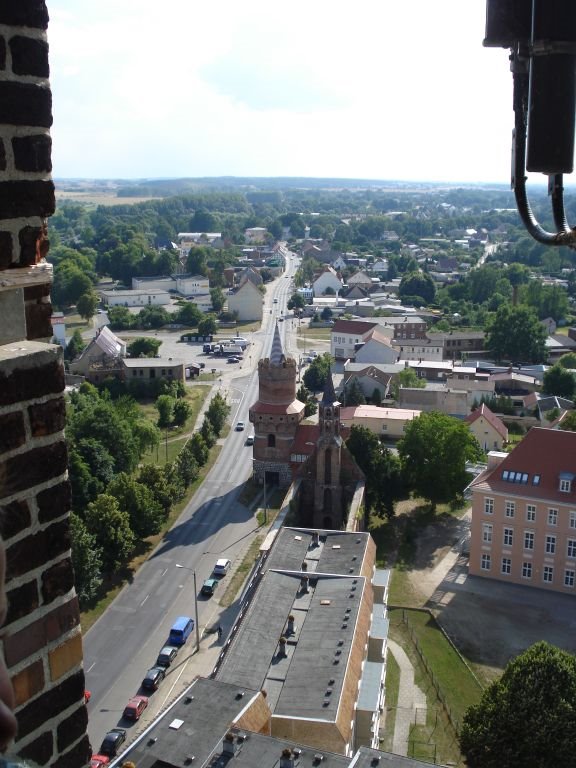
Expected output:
(411, 705)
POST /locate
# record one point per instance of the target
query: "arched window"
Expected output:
(271, 441)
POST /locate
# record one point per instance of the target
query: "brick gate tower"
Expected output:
(276, 416)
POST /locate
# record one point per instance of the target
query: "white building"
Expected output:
(135, 298)
(247, 301)
(328, 280)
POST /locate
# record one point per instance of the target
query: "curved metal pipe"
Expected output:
(566, 236)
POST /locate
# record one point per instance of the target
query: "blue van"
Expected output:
(181, 629)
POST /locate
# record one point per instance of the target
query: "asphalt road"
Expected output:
(125, 641)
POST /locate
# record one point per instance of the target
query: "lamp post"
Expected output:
(195, 604)
(265, 501)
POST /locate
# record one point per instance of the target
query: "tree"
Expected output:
(189, 314)
(326, 314)
(353, 394)
(568, 360)
(515, 333)
(218, 299)
(217, 413)
(527, 717)
(381, 468)
(559, 381)
(198, 449)
(417, 284)
(376, 398)
(86, 560)
(86, 305)
(310, 402)
(407, 377)
(145, 513)
(196, 263)
(74, 346)
(165, 406)
(155, 479)
(318, 371)
(296, 301)
(110, 526)
(143, 346)
(207, 326)
(434, 452)
(569, 421)
(181, 412)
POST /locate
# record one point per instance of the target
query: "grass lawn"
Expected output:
(392, 684)
(432, 735)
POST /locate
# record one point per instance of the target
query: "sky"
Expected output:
(370, 89)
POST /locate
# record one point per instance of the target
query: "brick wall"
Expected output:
(42, 647)
(42, 641)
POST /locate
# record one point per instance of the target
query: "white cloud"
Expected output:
(370, 89)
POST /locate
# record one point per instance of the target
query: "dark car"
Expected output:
(166, 656)
(153, 678)
(209, 587)
(112, 742)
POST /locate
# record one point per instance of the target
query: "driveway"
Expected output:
(489, 621)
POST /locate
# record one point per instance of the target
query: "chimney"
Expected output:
(228, 745)
(286, 758)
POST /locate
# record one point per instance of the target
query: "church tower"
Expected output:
(328, 491)
(276, 416)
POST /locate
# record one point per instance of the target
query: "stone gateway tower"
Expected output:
(276, 416)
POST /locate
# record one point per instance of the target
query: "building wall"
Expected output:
(247, 302)
(42, 640)
(489, 547)
(164, 283)
(488, 437)
(135, 298)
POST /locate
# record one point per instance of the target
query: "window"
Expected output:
(571, 548)
(528, 539)
(536, 480)
(271, 441)
(548, 574)
(531, 513)
(565, 485)
(489, 508)
(508, 537)
(572, 519)
(486, 562)
(487, 533)
(526, 570)
(510, 508)
(506, 565)
(550, 547)
(552, 517)
(569, 577)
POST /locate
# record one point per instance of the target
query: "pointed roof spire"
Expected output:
(329, 395)
(277, 356)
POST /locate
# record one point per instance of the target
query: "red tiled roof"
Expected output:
(494, 421)
(306, 439)
(352, 326)
(277, 410)
(545, 453)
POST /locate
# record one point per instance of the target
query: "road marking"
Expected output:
(91, 667)
(143, 601)
(164, 572)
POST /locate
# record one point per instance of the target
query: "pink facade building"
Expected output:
(524, 513)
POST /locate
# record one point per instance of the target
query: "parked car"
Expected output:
(112, 742)
(153, 678)
(233, 359)
(240, 426)
(135, 707)
(250, 440)
(166, 656)
(209, 587)
(99, 761)
(222, 566)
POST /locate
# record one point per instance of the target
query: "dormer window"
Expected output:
(565, 485)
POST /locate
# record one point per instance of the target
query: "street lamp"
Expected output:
(195, 604)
